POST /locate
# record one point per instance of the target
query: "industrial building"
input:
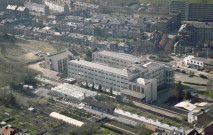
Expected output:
(115, 78)
(73, 92)
(58, 61)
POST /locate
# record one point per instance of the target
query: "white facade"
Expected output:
(163, 74)
(110, 77)
(193, 62)
(54, 6)
(114, 59)
(58, 61)
(34, 7)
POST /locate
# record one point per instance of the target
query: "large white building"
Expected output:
(58, 61)
(164, 74)
(114, 59)
(115, 78)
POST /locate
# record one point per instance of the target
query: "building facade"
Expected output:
(110, 77)
(198, 63)
(58, 61)
(116, 60)
(164, 74)
(192, 11)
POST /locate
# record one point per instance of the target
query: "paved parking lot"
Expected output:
(184, 78)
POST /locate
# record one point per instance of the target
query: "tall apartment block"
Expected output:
(192, 11)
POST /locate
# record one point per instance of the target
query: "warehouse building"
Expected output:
(72, 91)
(99, 106)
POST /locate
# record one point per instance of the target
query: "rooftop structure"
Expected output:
(73, 91)
(103, 107)
(186, 105)
(156, 123)
(66, 119)
(11, 7)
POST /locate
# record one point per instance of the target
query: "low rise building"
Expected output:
(39, 8)
(198, 63)
(99, 106)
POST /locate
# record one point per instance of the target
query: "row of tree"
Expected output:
(179, 94)
(8, 100)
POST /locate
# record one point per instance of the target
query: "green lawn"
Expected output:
(105, 131)
(210, 93)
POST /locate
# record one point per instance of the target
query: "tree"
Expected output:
(93, 86)
(88, 55)
(178, 90)
(187, 95)
(87, 85)
(99, 88)
(3, 50)
(97, 31)
(111, 93)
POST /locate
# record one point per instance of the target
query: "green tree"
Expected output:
(99, 88)
(3, 50)
(97, 31)
(111, 93)
(93, 86)
(187, 95)
(178, 90)
(88, 55)
(87, 85)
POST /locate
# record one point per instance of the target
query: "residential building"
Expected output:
(58, 61)
(115, 78)
(198, 63)
(192, 11)
(54, 6)
(39, 8)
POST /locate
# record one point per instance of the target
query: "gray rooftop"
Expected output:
(122, 56)
(122, 72)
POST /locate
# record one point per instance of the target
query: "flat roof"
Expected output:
(122, 56)
(186, 105)
(73, 91)
(146, 120)
(132, 93)
(66, 119)
(122, 72)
